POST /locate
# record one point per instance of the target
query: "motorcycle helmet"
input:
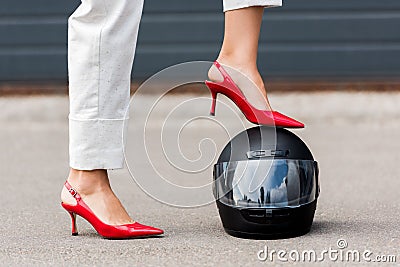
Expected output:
(266, 184)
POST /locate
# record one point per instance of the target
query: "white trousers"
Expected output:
(102, 38)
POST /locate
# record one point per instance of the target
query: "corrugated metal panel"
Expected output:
(308, 38)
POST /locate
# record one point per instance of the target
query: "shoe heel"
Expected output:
(73, 219)
(214, 103)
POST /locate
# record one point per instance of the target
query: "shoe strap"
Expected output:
(72, 191)
(228, 81)
(223, 72)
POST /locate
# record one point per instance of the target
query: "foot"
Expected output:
(95, 190)
(246, 77)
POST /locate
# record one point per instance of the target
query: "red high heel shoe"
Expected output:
(254, 115)
(131, 230)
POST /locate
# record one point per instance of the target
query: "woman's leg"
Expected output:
(101, 45)
(240, 47)
(94, 187)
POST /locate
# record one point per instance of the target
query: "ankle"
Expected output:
(237, 61)
(245, 67)
(88, 182)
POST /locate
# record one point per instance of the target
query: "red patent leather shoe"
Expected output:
(132, 230)
(254, 115)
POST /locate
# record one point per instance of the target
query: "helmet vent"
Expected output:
(256, 154)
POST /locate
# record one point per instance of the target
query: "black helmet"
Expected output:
(266, 184)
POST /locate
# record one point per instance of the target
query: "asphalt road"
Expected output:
(353, 136)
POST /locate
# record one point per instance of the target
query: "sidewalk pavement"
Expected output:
(353, 136)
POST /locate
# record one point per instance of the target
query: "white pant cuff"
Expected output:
(96, 144)
(237, 4)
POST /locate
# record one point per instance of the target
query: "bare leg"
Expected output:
(239, 51)
(94, 188)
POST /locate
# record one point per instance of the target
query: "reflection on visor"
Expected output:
(266, 183)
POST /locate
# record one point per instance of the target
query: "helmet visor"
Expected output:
(269, 183)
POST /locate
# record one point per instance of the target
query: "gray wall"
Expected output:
(306, 38)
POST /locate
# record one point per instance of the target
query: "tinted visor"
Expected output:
(270, 183)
